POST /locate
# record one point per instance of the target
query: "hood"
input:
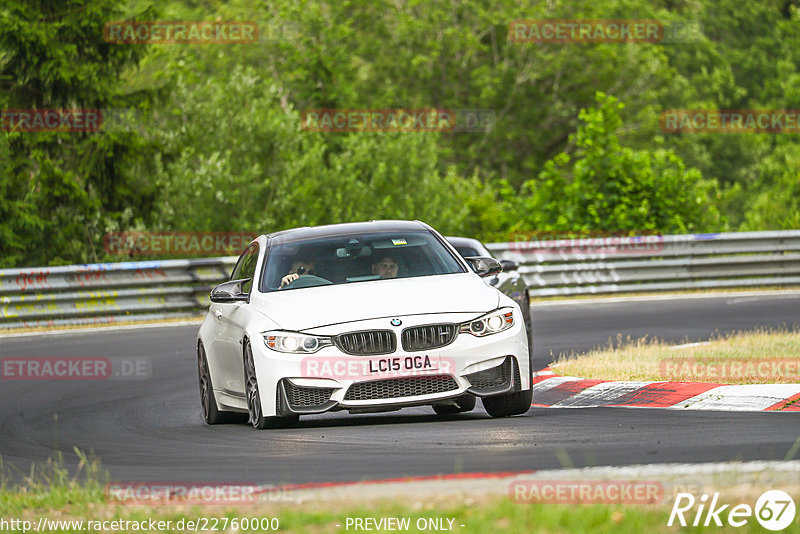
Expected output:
(304, 308)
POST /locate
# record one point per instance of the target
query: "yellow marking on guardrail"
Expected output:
(7, 313)
(97, 303)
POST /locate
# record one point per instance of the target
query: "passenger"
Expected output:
(385, 267)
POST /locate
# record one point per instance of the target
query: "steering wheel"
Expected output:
(307, 280)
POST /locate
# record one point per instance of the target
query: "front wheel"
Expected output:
(211, 414)
(256, 416)
(516, 403)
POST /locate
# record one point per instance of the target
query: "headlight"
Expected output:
(295, 343)
(491, 323)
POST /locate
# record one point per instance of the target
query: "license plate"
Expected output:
(402, 364)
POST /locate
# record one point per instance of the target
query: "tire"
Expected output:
(463, 404)
(516, 403)
(526, 315)
(211, 414)
(529, 330)
(255, 415)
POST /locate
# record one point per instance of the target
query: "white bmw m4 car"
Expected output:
(364, 317)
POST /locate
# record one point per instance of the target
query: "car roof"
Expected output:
(311, 232)
(465, 242)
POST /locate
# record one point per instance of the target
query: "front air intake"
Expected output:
(367, 343)
(401, 387)
(426, 337)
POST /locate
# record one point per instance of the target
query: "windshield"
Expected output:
(354, 258)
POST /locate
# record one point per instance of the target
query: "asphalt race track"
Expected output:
(151, 428)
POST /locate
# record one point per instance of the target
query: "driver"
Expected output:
(299, 267)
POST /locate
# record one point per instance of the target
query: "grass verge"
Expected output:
(755, 357)
(68, 505)
(78, 504)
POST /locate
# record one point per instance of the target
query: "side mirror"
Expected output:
(230, 291)
(509, 266)
(484, 266)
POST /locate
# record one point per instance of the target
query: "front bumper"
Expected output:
(395, 393)
(292, 384)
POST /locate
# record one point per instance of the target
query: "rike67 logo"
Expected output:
(774, 510)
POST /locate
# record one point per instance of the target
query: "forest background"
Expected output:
(212, 138)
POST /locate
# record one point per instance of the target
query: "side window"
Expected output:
(246, 267)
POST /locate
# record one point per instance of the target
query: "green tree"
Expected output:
(606, 186)
(235, 158)
(220, 155)
(62, 190)
(742, 56)
(775, 202)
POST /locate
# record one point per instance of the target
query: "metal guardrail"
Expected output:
(108, 292)
(114, 292)
(656, 263)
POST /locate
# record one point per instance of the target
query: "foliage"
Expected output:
(235, 158)
(219, 145)
(605, 186)
(61, 190)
